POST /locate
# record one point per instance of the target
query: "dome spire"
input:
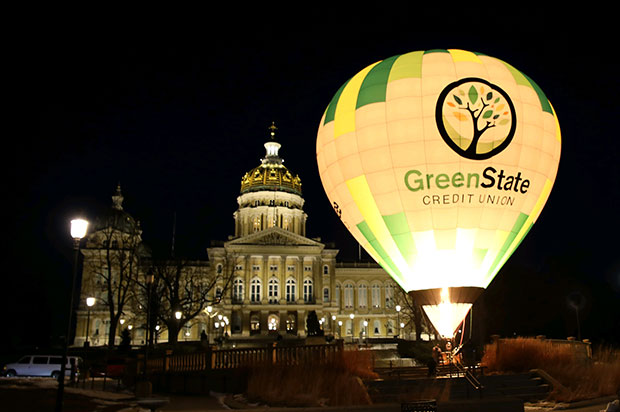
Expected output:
(117, 198)
(272, 147)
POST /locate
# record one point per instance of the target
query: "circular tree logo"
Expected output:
(475, 118)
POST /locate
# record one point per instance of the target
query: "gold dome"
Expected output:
(271, 174)
(270, 177)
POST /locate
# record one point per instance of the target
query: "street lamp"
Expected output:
(352, 316)
(78, 231)
(398, 318)
(90, 302)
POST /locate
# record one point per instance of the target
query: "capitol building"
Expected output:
(262, 283)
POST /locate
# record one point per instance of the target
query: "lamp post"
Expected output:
(209, 310)
(339, 329)
(78, 231)
(150, 278)
(90, 302)
(352, 316)
(398, 318)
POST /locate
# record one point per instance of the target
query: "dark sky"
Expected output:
(177, 120)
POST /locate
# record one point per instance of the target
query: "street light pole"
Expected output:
(90, 302)
(78, 231)
(398, 318)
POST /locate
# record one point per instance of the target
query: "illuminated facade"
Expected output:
(277, 276)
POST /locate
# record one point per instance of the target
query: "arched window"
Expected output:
(325, 294)
(308, 297)
(377, 327)
(389, 295)
(237, 290)
(219, 269)
(256, 223)
(362, 296)
(337, 295)
(325, 270)
(376, 295)
(255, 290)
(254, 323)
(273, 322)
(390, 327)
(290, 290)
(290, 323)
(273, 290)
(348, 295)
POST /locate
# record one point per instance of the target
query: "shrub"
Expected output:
(335, 383)
(581, 378)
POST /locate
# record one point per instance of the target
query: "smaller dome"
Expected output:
(116, 217)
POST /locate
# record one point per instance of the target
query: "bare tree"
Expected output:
(180, 288)
(412, 314)
(112, 262)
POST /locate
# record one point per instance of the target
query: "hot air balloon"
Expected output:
(439, 162)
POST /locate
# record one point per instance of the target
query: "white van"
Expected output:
(41, 365)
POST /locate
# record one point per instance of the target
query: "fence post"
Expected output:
(167, 360)
(273, 353)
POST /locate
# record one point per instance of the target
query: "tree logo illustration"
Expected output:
(475, 118)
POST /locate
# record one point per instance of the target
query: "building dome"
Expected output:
(271, 174)
(270, 196)
(116, 218)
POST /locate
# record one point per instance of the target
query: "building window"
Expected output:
(337, 295)
(325, 294)
(325, 270)
(256, 268)
(239, 267)
(218, 293)
(290, 290)
(362, 296)
(273, 322)
(377, 327)
(308, 297)
(389, 296)
(290, 323)
(349, 326)
(307, 268)
(238, 290)
(348, 295)
(273, 290)
(255, 292)
(390, 327)
(256, 222)
(376, 296)
(254, 324)
(290, 268)
(219, 269)
(273, 268)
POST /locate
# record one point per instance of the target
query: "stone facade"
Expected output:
(268, 276)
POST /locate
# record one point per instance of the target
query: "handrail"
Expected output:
(470, 378)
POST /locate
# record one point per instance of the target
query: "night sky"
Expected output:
(178, 119)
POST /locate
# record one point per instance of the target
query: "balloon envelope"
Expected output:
(439, 162)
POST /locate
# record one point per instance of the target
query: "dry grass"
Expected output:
(579, 378)
(336, 383)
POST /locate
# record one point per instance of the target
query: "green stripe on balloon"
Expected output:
(523, 80)
(370, 237)
(373, 88)
(544, 102)
(330, 112)
(436, 51)
(509, 240)
(399, 229)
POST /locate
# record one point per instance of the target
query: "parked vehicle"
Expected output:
(41, 365)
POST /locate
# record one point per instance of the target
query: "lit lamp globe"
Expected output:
(78, 228)
(90, 302)
(178, 314)
(439, 162)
